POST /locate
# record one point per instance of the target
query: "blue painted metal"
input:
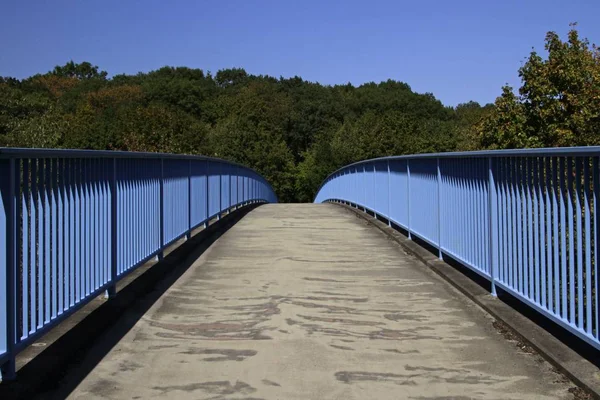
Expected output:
(72, 223)
(526, 220)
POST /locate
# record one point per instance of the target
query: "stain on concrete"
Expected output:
(160, 347)
(219, 388)
(270, 383)
(358, 376)
(402, 351)
(128, 365)
(344, 321)
(399, 316)
(224, 354)
(341, 347)
(323, 280)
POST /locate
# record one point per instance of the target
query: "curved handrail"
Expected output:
(554, 151)
(18, 152)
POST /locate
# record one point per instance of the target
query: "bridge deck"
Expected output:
(309, 302)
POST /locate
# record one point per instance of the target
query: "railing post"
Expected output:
(188, 235)
(596, 244)
(439, 208)
(220, 191)
(207, 196)
(389, 211)
(408, 195)
(364, 168)
(237, 187)
(8, 268)
(492, 222)
(161, 223)
(111, 291)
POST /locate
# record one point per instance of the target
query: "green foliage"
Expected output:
(85, 70)
(558, 102)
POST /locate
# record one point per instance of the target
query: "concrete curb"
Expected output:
(70, 341)
(581, 371)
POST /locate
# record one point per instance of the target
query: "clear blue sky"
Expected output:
(459, 50)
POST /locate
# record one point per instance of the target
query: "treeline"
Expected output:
(292, 131)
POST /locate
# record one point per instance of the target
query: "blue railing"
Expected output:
(72, 223)
(526, 220)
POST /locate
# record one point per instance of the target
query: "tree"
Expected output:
(81, 71)
(558, 102)
(231, 77)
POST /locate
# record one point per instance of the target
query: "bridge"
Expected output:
(385, 287)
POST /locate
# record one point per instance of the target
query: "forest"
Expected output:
(295, 132)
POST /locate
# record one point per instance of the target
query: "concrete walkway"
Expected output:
(310, 302)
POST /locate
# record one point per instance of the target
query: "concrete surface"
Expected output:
(310, 302)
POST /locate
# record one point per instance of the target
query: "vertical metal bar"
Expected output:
(40, 244)
(483, 250)
(221, 191)
(492, 225)
(122, 216)
(570, 216)
(506, 221)
(61, 234)
(588, 249)
(53, 231)
(452, 205)
(189, 212)
(8, 268)
(206, 194)
(25, 249)
(513, 227)
(563, 238)
(540, 266)
(579, 258)
(500, 212)
(538, 209)
(471, 211)
(137, 211)
(112, 288)
(144, 210)
(520, 203)
(389, 199)
(555, 246)
(546, 275)
(439, 208)
(408, 194)
(95, 228)
(162, 209)
(102, 228)
(47, 267)
(462, 214)
(528, 271)
(85, 264)
(596, 188)
(33, 244)
(469, 187)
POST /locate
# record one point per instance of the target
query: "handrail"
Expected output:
(74, 222)
(555, 151)
(525, 220)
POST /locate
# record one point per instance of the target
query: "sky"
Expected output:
(459, 50)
